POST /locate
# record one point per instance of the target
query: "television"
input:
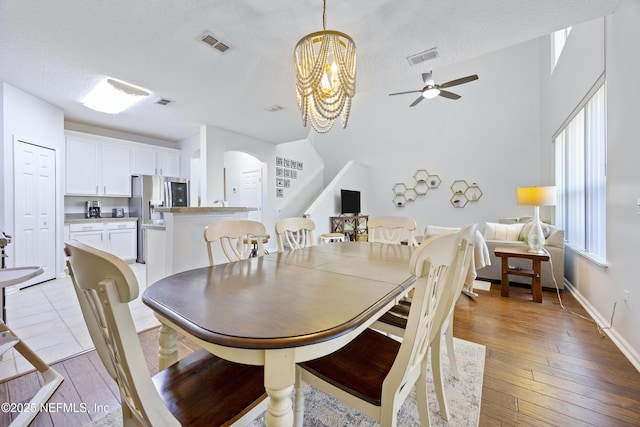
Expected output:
(349, 202)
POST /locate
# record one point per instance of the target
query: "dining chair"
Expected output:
(297, 232)
(394, 321)
(392, 229)
(375, 373)
(200, 389)
(236, 238)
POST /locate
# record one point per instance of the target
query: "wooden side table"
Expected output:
(506, 252)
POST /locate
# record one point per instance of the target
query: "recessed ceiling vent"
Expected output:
(163, 101)
(212, 41)
(421, 57)
(274, 108)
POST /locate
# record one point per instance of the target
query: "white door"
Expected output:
(251, 193)
(34, 203)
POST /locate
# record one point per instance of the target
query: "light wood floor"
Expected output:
(544, 366)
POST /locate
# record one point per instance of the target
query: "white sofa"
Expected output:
(512, 231)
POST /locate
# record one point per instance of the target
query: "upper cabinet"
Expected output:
(102, 166)
(95, 168)
(148, 160)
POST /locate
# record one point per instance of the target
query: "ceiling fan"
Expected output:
(431, 90)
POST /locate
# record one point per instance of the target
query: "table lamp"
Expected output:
(536, 196)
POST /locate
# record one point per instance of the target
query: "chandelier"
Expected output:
(325, 67)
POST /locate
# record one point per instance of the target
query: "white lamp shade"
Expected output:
(536, 196)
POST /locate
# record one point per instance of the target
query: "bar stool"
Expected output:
(8, 339)
(332, 237)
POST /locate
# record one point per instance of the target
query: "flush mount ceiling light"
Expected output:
(325, 68)
(113, 96)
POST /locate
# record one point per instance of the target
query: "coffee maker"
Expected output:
(92, 209)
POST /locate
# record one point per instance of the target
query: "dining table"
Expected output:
(280, 309)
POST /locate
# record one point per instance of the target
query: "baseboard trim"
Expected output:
(618, 340)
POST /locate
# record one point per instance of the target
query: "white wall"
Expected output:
(31, 120)
(353, 176)
(308, 182)
(235, 163)
(490, 136)
(604, 45)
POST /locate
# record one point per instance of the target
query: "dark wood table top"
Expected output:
(288, 299)
(520, 251)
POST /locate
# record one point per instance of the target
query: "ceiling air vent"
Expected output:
(212, 41)
(163, 101)
(421, 57)
(274, 108)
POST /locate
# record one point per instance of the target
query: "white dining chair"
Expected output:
(295, 232)
(375, 373)
(236, 238)
(392, 229)
(200, 389)
(394, 321)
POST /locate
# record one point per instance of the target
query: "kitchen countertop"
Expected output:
(204, 210)
(81, 219)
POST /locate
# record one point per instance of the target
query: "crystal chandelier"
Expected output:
(325, 67)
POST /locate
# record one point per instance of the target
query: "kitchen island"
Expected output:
(178, 244)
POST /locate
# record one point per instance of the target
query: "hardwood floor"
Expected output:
(544, 366)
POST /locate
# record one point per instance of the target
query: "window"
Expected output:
(581, 178)
(558, 40)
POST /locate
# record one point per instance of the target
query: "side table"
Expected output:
(506, 252)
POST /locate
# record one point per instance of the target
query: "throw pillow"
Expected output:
(494, 231)
(546, 230)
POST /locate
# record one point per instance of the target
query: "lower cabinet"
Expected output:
(122, 239)
(118, 238)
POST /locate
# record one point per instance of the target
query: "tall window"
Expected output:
(581, 178)
(558, 40)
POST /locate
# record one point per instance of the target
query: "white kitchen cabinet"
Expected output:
(156, 161)
(122, 239)
(82, 172)
(91, 234)
(95, 168)
(118, 238)
(116, 170)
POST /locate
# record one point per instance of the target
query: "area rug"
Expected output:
(463, 397)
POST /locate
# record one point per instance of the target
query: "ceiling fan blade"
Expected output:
(417, 101)
(450, 95)
(459, 81)
(402, 93)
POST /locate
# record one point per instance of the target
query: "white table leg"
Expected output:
(279, 378)
(168, 347)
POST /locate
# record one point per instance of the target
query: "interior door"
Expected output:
(35, 238)
(251, 193)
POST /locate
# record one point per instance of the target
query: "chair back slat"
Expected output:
(297, 232)
(105, 285)
(236, 238)
(392, 229)
(434, 263)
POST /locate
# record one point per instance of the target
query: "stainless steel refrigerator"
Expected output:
(149, 192)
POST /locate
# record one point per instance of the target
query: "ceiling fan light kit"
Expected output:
(432, 90)
(325, 70)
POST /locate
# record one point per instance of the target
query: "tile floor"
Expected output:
(48, 319)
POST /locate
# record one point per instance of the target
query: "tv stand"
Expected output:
(354, 226)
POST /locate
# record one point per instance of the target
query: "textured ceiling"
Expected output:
(58, 49)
